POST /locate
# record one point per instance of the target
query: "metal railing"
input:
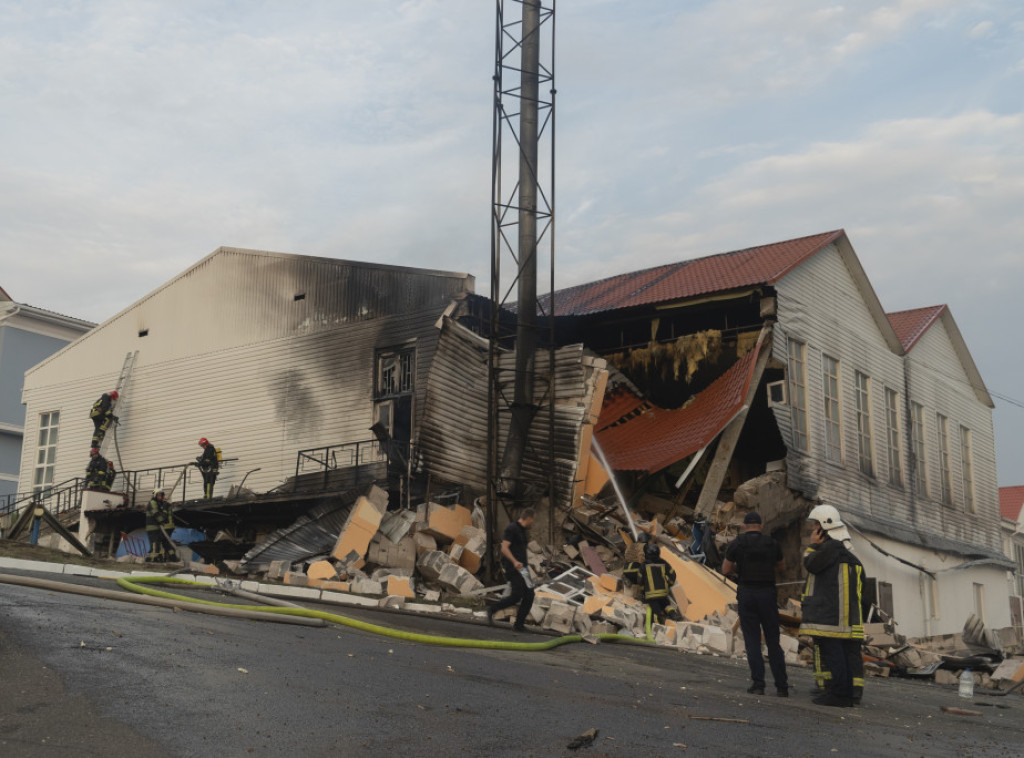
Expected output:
(347, 455)
(57, 498)
(138, 485)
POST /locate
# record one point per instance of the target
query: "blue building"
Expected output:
(27, 336)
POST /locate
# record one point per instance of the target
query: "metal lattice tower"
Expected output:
(522, 240)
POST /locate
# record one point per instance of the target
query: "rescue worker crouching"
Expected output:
(102, 415)
(159, 525)
(655, 578)
(96, 472)
(209, 466)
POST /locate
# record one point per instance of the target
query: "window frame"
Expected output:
(967, 469)
(45, 462)
(797, 359)
(945, 464)
(865, 436)
(918, 442)
(832, 417)
(892, 433)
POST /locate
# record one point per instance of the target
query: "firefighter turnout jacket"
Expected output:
(656, 577)
(832, 595)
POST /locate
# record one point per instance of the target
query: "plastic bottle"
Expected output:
(967, 684)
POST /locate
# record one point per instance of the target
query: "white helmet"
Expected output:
(157, 492)
(830, 520)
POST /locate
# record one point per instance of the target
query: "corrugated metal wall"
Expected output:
(453, 438)
(233, 356)
(820, 305)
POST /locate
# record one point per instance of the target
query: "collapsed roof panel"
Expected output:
(655, 438)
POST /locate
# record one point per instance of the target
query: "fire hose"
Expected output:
(288, 614)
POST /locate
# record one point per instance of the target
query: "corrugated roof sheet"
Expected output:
(1011, 500)
(657, 438)
(765, 264)
(912, 324)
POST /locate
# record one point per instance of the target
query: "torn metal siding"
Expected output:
(453, 437)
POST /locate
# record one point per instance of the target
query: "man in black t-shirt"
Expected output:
(755, 558)
(513, 563)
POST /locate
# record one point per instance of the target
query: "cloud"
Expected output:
(981, 30)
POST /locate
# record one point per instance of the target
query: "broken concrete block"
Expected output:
(424, 543)
(432, 563)
(445, 522)
(603, 627)
(559, 618)
(382, 574)
(593, 604)
(717, 640)
(295, 579)
(942, 676)
(391, 601)
(455, 552)
(457, 579)
(357, 533)
(1010, 670)
(571, 551)
(335, 586)
(432, 596)
(396, 525)
(278, 569)
(401, 585)
(581, 622)
(474, 545)
(384, 552)
(322, 570)
(366, 586)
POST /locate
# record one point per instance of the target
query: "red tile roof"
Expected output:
(765, 264)
(911, 325)
(1011, 500)
(657, 438)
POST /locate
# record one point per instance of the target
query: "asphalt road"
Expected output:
(93, 677)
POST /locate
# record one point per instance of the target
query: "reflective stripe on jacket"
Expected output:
(832, 595)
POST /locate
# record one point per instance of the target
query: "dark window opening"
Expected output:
(300, 296)
(143, 332)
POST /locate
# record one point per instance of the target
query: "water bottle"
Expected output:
(525, 573)
(967, 684)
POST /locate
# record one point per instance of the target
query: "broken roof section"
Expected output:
(764, 264)
(638, 436)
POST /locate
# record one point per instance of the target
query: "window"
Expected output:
(395, 372)
(865, 444)
(967, 468)
(979, 602)
(920, 459)
(833, 430)
(46, 452)
(1019, 578)
(798, 392)
(945, 474)
(892, 433)
(932, 594)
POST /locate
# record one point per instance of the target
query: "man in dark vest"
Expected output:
(755, 558)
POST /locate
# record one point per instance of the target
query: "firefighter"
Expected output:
(159, 525)
(102, 415)
(96, 472)
(656, 579)
(832, 613)
(110, 476)
(209, 466)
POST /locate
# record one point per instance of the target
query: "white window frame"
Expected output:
(967, 469)
(945, 469)
(892, 431)
(865, 439)
(918, 445)
(798, 393)
(46, 451)
(833, 408)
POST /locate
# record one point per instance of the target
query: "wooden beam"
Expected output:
(731, 434)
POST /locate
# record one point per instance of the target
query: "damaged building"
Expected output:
(285, 362)
(772, 378)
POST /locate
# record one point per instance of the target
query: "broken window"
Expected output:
(892, 433)
(395, 372)
(920, 459)
(1019, 552)
(945, 474)
(865, 443)
(967, 468)
(798, 392)
(46, 451)
(833, 428)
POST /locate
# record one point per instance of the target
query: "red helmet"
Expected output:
(93, 450)
(114, 395)
(203, 442)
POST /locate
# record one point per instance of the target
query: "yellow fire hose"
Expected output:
(297, 615)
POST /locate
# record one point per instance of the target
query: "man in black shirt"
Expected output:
(513, 563)
(755, 557)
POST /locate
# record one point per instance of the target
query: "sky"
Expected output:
(138, 136)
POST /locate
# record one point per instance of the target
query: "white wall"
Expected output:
(911, 595)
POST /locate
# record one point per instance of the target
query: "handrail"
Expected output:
(326, 459)
(67, 493)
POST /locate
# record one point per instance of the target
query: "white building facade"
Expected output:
(265, 354)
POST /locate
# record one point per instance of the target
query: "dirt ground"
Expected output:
(27, 552)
